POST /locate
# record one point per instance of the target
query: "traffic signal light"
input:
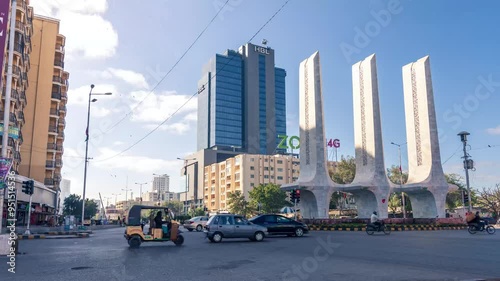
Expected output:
(29, 187)
(292, 195)
(297, 195)
(466, 197)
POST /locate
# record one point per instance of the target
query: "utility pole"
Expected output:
(8, 91)
(403, 199)
(468, 164)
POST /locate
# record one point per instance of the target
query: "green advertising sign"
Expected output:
(13, 131)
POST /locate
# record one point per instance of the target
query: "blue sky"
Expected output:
(126, 48)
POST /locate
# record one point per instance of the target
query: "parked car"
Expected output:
(197, 223)
(280, 225)
(233, 226)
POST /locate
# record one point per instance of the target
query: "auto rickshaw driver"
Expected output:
(159, 223)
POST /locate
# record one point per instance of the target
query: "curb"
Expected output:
(29, 237)
(38, 236)
(403, 228)
(83, 235)
(66, 232)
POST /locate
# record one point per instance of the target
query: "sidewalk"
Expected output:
(59, 230)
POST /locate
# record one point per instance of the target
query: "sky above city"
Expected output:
(127, 48)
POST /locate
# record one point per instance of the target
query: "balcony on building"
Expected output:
(49, 181)
(20, 26)
(57, 80)
(20, 116)
(53, 130)
(59, 62)
(62, 123)
(60, 135)
(49, 164)
(52, 147)
(60, 149)
(54, 112)
(56, 96)
(59, 163)
(62, 108)
(21, 6)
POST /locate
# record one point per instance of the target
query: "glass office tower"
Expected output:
(241, 105)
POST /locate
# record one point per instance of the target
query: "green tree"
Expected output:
(489, 199)
(395, 202)
(345, 171)
(72, 205)
(174, 206)
(270, 196)
(454, 198)
(237, 204)
(394, 175)
(197, 212)
(90, 208)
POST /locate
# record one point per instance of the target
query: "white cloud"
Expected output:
(178, 128)
(157, 107)
(80, 96)
(129, 76)
(117, 143)
(87, 32)
(494, 131)
(193, 116)
(140, 164)
(100, 112)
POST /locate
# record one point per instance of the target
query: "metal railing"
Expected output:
(53, 129)
(57, 79)
(51, 146)
(20, 25)
(50, 164)
(54, 111)
(59, 63)
(56, 96)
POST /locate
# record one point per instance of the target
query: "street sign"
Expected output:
(5, 165)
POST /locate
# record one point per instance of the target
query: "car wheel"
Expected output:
(179, 240)
(259, 236)
(217, 238)
(299, 232)
(199, 228)
(134, 242)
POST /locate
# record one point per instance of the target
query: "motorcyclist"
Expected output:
(477, 220)
(375, 220)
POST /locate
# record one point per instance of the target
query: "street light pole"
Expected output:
(403, 200)
(187, 182)
(467, 165)
(140, 186)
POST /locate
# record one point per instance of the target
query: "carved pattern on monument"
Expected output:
(363, 115)
(416, 116)
(306, 97)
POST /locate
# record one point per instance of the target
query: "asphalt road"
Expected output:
(436, 255)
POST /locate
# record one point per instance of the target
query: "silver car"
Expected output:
(197, 223)
(233, 226)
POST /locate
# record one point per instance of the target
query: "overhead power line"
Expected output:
(197, 92)
(166, 75)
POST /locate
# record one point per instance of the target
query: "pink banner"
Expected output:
(4, 21)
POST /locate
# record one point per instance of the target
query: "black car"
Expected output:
(280, 225)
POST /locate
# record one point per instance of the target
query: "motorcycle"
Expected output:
(371, 228)
(474, 228)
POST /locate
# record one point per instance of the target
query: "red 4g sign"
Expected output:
(333, 143)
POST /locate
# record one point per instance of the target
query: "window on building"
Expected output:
(251, 176)
(280, 169)
(252, 184)
(280, 161)
(266, 176)
(252, 159)
(266, 168)
(280, 178)
(252, 168)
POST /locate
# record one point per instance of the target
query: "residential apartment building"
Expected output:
(243, 172)
(45, 112)
(161, 183)
(241, 105)
(20, 84)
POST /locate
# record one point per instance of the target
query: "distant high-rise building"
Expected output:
(161, 184)
(45, 112)
(65, 192)
(241, 105)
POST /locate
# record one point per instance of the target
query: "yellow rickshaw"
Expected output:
(134, 232)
